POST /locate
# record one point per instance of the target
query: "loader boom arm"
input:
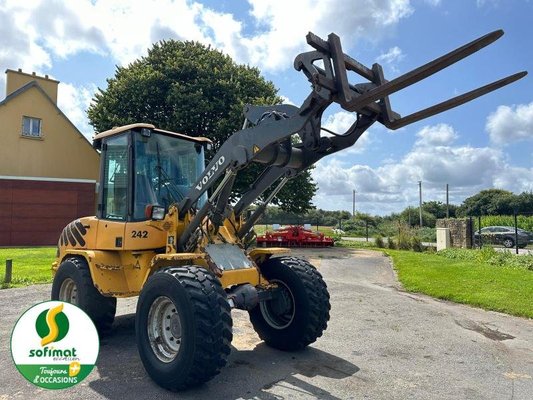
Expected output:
(268, 131)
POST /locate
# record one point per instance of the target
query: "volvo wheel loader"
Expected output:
(169, 231)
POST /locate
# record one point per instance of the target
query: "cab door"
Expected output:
(114, 193)
(140, 233)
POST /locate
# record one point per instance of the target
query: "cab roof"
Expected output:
(97, 140)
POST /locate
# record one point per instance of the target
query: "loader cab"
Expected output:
(142, 167)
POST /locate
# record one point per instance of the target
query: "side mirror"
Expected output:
(154, 212)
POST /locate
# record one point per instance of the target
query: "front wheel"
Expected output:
(299, 312)
(183, 327)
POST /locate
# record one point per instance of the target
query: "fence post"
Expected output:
(479, 231)
(515, 231)
(472, 235)
(367, 230)
(9, 271)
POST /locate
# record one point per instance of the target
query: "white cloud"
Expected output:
(74, 101)
(437, 135)
(126, 28)
(434, 3)
(339, 123)
(18, 49)
(64, 28)
(34, 32)
(391, 58)
(515, 179)
(285, 25)
(432, 160)
(511, 124)
(286, 100)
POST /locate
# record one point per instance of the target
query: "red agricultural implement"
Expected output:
(294, 236)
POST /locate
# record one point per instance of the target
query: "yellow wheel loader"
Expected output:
(168, 230)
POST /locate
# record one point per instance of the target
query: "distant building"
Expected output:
(48, 169)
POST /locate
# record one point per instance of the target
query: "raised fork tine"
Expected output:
(423, 71)
(455, 101)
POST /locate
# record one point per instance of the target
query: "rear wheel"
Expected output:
(183, 327)
(73, 284)
(299, 312)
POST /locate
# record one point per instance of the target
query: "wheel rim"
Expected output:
(68, 291)
(279, 313)
(164, 329)
(508, 243)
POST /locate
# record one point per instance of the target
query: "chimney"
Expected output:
(17, 79)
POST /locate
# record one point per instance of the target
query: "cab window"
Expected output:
(165, 169)
(115, 180)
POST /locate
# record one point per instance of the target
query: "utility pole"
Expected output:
(420, 201)
(447, 203)
(353, 205)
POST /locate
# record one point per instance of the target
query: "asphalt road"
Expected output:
(381, 343)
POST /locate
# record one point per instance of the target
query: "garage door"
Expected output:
(33, 213)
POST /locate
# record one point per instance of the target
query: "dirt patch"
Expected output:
(483, 329)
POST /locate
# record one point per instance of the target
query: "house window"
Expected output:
(31, 127)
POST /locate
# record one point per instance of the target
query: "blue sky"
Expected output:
(486, 143)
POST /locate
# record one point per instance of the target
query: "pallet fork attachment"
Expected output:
(268, 132)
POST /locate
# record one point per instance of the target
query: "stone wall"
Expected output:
(460, 231)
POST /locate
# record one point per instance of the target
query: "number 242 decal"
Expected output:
(139, 234)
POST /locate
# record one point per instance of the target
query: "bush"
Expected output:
(430, 249)
(490, 256)
(390, 243)
(416, 244)
(524, 222)
(427, 234)
(404, 240)
(458, 254)
(379, 241)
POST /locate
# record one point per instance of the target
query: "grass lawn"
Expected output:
(30, 265)
(492, 287)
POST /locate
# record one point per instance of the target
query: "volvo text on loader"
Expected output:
(168, 230)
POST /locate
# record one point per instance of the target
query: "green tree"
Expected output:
(525, 202)
(489, 202)
(191, 88)
(438, 209)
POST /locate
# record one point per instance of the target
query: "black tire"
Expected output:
(303, 321)
(508, 242)
(203, 327)
(101, 309)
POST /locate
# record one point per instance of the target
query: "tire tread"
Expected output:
(213, 328)
(319, 306)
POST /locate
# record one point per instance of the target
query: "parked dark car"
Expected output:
(503, 235)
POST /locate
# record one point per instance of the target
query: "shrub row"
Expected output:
(490, 256)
